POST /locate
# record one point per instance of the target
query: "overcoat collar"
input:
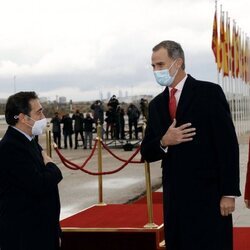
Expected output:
(24, 141)
(186, 98)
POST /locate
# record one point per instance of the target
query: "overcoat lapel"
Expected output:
(36, 153)
(186, 97)
(164, 110)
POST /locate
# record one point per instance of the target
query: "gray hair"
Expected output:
(174, 50)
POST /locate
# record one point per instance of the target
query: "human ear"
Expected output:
(22, 117)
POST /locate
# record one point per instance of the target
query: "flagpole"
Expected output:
(218, 49)
(217, 44)
(229, 53)
(222, 49)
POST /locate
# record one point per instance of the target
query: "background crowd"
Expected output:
(117, 123)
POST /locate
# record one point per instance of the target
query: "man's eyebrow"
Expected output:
(39, 110)
(157, 63)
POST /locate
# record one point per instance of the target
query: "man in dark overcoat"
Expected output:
(29, 198)
(190, 129)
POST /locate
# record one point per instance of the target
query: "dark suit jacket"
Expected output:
(29, 199)
(247, 186)
(196, 174)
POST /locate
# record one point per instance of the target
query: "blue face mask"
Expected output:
(163, 77)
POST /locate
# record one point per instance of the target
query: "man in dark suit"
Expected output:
(29, 199)
(191, 131)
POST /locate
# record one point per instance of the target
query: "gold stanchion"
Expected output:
(150, 223)
(99, 148)
(48, 141)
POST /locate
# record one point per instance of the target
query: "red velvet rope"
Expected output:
(117, 157)
(67, 163)
(76, 167)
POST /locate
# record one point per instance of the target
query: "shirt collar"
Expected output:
(26, 135)
(180, 85)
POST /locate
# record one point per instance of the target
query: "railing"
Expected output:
(99, 146)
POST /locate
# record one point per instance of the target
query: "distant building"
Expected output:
(108, 95)
(100, 95)
(62, 100)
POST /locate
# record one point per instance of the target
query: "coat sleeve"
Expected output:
(25, 173)
(225, 143)
(247, 185)
(150, 148)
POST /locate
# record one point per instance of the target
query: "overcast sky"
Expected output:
(77, 48)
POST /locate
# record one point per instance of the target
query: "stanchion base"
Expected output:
(101, 204)
(151, 225)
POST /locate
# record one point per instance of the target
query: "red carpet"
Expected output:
(135, 216)
(114, 216)
(156, 197)
(241, 234)
(241, 238)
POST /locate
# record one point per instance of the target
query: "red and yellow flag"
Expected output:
(237, 53)
(223, 57)
(233, 47)
(228, 48)
(215, 41)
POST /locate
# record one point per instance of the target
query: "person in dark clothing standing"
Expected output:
(67, 130)
(98, 112)
(113, 102)
(78, 126)
(133, 117)
(190, 129)
(110, 120)
(144, 108)
(29, 198)
(88, 126)
(56, 129)
(121, 114)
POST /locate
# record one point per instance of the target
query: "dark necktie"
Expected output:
(172, 103)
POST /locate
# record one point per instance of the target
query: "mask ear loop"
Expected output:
(172, 64)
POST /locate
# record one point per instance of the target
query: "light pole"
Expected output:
(14, 82)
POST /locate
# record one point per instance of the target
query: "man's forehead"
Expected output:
(161, 51)
(160, 54)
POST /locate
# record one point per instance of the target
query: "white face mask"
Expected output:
(163, 76)
(39, 126)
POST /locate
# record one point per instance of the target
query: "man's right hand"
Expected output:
(177, 135)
